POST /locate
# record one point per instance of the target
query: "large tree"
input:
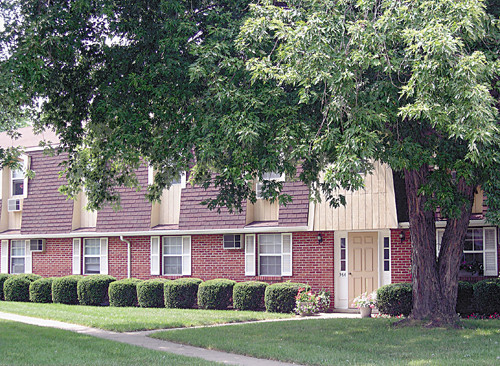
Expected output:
(232, 91)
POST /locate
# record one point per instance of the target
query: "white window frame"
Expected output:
(21, 243)
(185, 256)
(268, 176)
(487, 272)
(181, 182)
(234, 241)
(283, 256)
(85, 256)
(15, 179)
(22, 170)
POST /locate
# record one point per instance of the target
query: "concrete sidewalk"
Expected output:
(141, 339)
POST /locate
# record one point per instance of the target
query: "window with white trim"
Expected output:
(92, 256)
(479, 257)
(17, 256)
(17, 183)
(176, 255)
(232, 241)
(275, 254)
(273, 176)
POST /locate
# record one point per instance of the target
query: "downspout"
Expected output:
(129, 255)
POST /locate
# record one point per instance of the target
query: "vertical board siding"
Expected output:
(371, 208)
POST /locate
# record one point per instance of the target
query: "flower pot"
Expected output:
(306, 308)
(365, 311)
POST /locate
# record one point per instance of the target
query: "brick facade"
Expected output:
(400, 256)
(312, 263)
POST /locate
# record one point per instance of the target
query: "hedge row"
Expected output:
(482, 298)
(181, 293)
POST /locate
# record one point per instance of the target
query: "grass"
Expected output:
(351, 342)
(132, 319)
(22, 344)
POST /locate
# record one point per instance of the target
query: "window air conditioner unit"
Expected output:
(14, 205)
(37, 245)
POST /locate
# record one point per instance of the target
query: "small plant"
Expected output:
(150, 293)
(216, 294)
(280, 297)
(3, 278)
(323, 298)
(365, 300)
(64, 289)
(249, 295)
(181, 293)
(17, 287)
(306, 303)
(41, 290)
(93, 290)
(123, 292)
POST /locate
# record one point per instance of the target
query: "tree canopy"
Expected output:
(231, 90)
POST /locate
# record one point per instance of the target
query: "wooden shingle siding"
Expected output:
(45, 210)
(135, 214)
(194, 216)
(296, 212)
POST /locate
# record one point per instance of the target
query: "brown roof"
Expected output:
(28, 138)
(295, 213)
(135, 213)
(195, 216)
(45, 210)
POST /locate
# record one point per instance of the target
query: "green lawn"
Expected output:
(22, 344)
(351, 342)
(131, 319)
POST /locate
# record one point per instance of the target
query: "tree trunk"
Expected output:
(426, 291)
(450, 254)
(435, 282)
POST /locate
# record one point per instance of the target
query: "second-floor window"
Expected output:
(17, 182)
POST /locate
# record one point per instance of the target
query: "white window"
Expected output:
(176, 255)
(37, 245)
(479, 257)
(17, 256)
(92, 256)
(275, 254)
(232, 241)
(179, 180)
(17, 183)
(268, 176)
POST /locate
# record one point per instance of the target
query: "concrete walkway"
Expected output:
(141, 339)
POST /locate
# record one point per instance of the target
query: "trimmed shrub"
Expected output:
(486, 296)
(395, 299)
(64, 289)
(150, 293)
(93, 290)
(280, 297)
(41, 290)
(181, 293)
(123, 292)
(465, 298)
(249, 295)
(3, 278)
(215, 294)
(17, 287)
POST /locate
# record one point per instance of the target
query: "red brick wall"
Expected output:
(312, 262)
(400, 256)
(56, 261)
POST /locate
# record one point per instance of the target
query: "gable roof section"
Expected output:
(195, 216)
(45, 210)
(135, 214)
